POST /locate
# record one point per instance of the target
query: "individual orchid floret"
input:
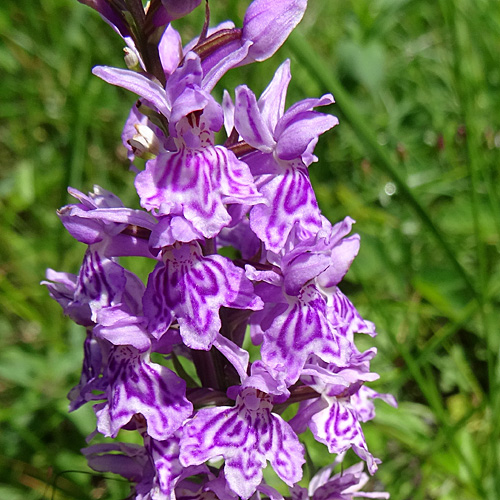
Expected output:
(191, 288)
(138, 386)
(284, 141)
(295, 322)
(246, 436)
(335, 418)
(345, 485)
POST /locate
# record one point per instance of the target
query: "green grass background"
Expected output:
(415, 160)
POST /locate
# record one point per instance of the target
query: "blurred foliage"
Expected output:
(414, 160)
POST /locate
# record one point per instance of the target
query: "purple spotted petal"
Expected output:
(136, 385)
(291, 201)
(245, 436)
(303, 329)
(195, 183)
(192, 288)
(338, 428)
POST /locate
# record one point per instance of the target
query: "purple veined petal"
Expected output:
(299, 133)
(291, 201)
(268, 26)
(195, 183)
(272, 101)
(301, 330)
(165, 457)
(137, 83)
(136, 385)
(246, 436)
(180, 183)
(344, 316)
(193, 288)
(100, 283)
(234, 179)
(338, 428)
(249, 122)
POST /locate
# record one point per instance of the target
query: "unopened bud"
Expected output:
(131, 59)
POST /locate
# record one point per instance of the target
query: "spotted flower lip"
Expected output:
(246, 436)
(191, 288)
(136, 385)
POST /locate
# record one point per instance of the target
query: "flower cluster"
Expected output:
(212, 434)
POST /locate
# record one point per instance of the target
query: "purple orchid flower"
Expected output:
(246, 436)
(191, 288)
(136, 385)
(284, 141)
